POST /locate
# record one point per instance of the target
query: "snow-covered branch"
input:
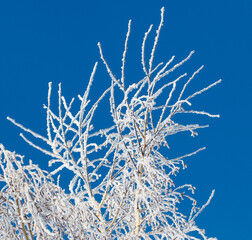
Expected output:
(128, 191)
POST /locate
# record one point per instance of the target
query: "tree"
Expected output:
(122, 185)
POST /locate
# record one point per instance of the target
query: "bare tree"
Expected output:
(122, 185)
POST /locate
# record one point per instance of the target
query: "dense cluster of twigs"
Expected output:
(125, 193)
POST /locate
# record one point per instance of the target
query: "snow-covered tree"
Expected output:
(123, 181)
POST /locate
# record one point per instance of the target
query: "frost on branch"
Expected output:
(127, 192)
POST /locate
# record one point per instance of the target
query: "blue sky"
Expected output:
(43, 41)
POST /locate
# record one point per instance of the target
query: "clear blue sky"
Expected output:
(43, 41)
